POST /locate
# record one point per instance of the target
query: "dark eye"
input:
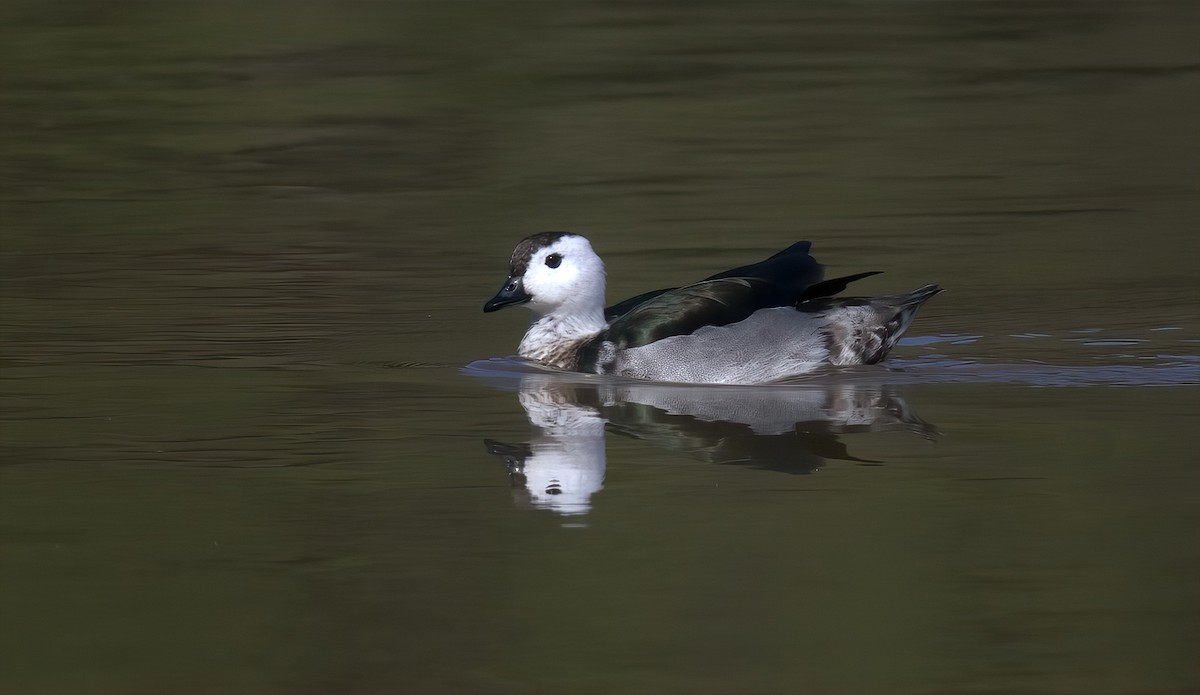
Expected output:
(554, 260)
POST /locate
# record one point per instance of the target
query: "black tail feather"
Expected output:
(832, 286)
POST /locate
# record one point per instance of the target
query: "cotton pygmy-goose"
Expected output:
(769, 321)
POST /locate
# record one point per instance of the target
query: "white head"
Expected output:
(554, 273)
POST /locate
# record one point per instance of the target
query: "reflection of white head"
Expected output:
(566, 462)
(563, 479)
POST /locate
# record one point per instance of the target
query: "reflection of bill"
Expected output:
(792, 429)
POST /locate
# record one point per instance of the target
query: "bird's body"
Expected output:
(773, 320)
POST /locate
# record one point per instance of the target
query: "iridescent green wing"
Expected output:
(791, 270)
(685, 310)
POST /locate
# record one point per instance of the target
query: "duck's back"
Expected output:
(790, 272)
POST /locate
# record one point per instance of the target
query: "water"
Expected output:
(258, 436)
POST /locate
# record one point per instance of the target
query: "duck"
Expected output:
(772, 321)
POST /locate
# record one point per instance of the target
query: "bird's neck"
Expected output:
(556, 339)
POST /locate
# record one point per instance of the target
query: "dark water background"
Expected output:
(243, 250)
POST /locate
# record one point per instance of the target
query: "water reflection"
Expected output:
(562, 465)
(791, 429)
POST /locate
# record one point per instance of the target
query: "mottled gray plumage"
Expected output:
(863, 331)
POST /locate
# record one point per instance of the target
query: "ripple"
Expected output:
(1108, 342)
(951, 338)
